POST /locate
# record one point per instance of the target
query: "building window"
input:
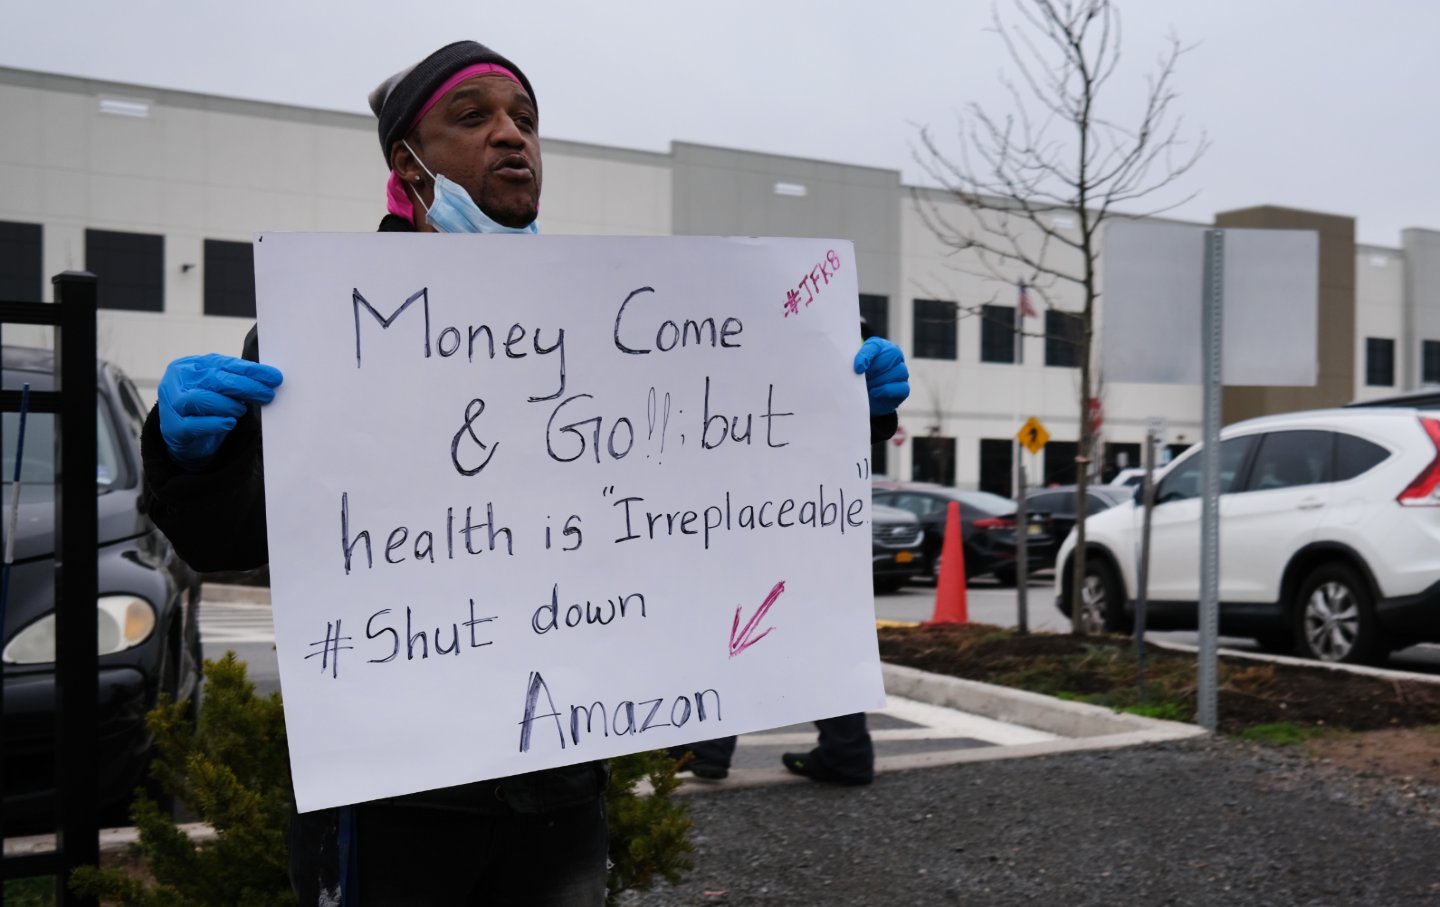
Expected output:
(876, 312)
(1060, 463)
(129, 269)
(934, 329)
(1063, 335)
(1120, 456)
(996, 463)
(20, 276)
(998, 339)
(1379, 362)
(934, 460)
(1430, 362)
(879, 459)
(229, 278)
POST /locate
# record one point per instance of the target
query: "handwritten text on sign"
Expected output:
(534, 501)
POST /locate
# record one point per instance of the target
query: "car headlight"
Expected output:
(123, 622)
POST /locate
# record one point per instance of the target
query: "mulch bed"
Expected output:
(1251, 693)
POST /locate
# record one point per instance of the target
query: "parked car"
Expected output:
(1329, 537)
(1059, 504)
(896, 540)
(147, 610)
(987, 526)
(1129, 477)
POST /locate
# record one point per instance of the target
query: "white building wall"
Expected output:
(1380, 312)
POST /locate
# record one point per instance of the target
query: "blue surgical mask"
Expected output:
(453, 210)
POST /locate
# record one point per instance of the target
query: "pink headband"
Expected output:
(397, 202)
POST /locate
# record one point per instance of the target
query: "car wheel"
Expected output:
(1335, 618)
(1101, 608)
(1006, 577)
(888, 584)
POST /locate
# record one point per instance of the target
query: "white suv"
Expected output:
(1329, 537)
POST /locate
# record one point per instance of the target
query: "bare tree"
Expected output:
(1039, 182)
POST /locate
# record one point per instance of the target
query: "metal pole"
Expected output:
(1212, 332)
(1142, 579)
(76, 584)
(1022, 555)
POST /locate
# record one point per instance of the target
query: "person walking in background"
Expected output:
(844, 753)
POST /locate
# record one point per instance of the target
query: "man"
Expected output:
(459, 131)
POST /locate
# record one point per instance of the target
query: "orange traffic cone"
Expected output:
(950, 607)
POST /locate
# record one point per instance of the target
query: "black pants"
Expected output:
(408, 855)
(845, 747)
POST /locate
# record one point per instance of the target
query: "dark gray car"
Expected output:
(148, 608)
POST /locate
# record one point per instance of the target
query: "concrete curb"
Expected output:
(1044, 713)
(1080, 726)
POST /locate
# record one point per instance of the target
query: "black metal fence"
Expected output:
(76, 581)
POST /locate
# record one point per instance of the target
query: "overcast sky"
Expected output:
(1316, 104)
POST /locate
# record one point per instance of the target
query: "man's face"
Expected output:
(483, 135)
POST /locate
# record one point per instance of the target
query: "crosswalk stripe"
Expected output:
(224, 623)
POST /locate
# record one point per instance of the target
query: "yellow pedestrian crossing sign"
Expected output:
(1033, 435)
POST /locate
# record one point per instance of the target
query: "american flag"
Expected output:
(1026, 309)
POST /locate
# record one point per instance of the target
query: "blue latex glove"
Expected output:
(886, 377)
(202, 396)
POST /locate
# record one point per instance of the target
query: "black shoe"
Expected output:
(806, 765)
(708, 770)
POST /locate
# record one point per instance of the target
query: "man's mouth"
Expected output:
(513, 167)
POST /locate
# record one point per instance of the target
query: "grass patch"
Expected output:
(1280, 733)
(1165, 711)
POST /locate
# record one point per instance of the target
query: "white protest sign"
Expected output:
(534, 501)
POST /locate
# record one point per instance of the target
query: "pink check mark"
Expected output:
(742, 639)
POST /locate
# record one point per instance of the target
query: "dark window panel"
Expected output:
(879, 458)
(935, 329)
(1186, 479)
(1430, 361)
(934, 460)
(1356, 456)
(1379, 362)
(129, 269)
(1113, 456)
(229, 278)
(997, 333)
(21, 279)
(876, 312)
(996, 463)
(1063, 334)
(1289, 459)
(1060, 462)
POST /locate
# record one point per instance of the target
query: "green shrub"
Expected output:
(233, 770)
(649, 831)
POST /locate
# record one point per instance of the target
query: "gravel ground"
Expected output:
(1198, 822)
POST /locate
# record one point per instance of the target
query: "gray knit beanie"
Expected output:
(399, 98)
